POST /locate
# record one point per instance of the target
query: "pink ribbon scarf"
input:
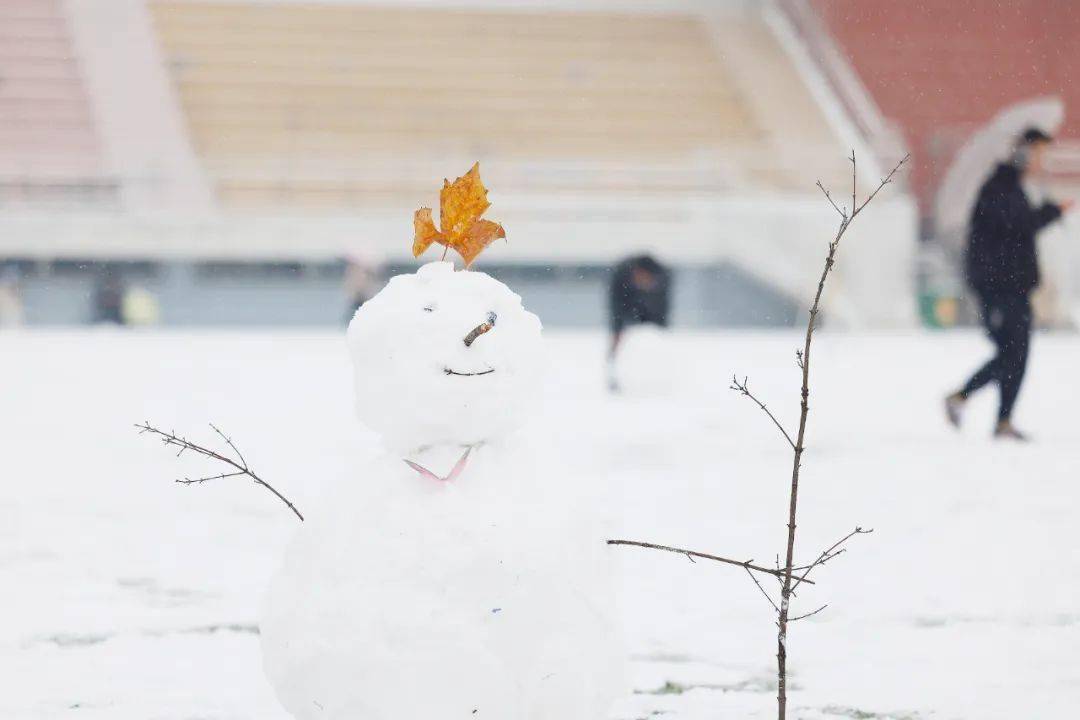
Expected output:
(456, 471)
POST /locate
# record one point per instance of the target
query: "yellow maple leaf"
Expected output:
(461, 204)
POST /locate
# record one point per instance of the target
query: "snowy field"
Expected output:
(128, 597)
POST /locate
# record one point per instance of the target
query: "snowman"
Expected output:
(454, 575)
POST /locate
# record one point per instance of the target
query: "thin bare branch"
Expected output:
(748, 564)
(172, 439)
(853, 173)
(763, 592)
(885, 181)
(809, 614)
(230, 443)
(828, 196)
(197, 481)
(826, 555)
(743, 388)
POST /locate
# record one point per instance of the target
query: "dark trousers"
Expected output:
(1007, 320)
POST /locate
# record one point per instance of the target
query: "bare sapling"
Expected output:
(790, 574)
(238, 466)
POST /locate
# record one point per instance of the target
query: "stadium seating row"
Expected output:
(337, 105)
(49, 149)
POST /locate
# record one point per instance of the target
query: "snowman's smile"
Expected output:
(448, 371)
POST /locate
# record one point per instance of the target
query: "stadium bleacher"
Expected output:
(316, 95)
(49, 148)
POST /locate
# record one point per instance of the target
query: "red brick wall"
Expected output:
(941, 68)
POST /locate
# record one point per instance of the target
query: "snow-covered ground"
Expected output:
(128, 597)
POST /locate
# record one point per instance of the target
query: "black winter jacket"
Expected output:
(1001, 254)
(630, 305)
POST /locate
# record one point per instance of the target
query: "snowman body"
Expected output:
(453, 576)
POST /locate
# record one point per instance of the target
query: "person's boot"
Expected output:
(1006, 431)
(954, 409)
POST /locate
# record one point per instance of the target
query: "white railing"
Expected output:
(881, 135)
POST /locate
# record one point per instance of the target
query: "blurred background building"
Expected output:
(252, 162)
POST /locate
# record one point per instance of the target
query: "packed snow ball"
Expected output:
(409, 352)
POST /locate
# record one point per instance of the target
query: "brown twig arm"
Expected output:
(230, 443)
(199, 481)
(748, 564)
(240, 465)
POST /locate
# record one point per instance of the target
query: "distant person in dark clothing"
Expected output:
(109, 300)
(1002, 268)
(639, 293)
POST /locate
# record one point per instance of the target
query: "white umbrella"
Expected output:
(987, 146)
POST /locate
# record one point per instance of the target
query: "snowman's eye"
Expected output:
(429, 308)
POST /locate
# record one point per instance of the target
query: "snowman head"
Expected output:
(444, 357)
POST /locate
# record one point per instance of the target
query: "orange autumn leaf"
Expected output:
(461, 204)
(480, 235)
(425, 231)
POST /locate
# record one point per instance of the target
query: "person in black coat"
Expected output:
(1002, 267)
(639, 293)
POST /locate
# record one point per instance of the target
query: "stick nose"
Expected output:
(480, 329)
